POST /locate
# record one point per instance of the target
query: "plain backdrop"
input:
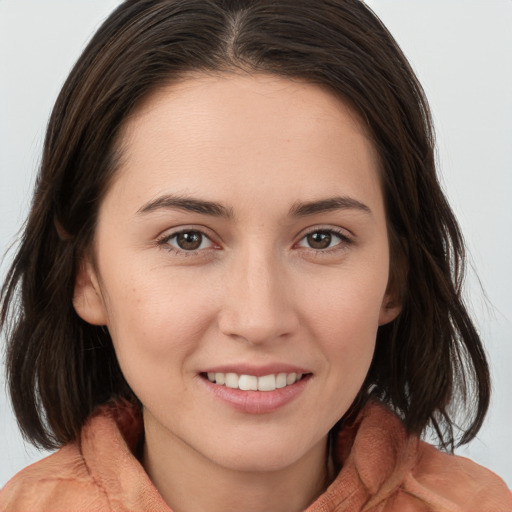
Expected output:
(462, 53)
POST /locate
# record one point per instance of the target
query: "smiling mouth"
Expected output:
(252, 383)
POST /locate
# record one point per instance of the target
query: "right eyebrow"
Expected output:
(328, 205)
(172, 202)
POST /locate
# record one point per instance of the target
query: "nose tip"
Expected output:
(253, 333)
(258, 306)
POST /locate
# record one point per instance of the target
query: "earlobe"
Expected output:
(389, 310)
(87, 299)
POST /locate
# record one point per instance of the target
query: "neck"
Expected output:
(188, 481)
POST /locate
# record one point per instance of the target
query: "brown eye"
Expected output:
(189, 240)
(323, 239)
(319, 239)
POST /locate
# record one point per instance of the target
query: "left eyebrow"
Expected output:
(303, 209)
(190, 204)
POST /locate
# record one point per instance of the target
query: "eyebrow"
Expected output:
(303, 209)
(298, 209)
(187, 204)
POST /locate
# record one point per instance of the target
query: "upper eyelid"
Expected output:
(169, 233)
(176, 233)
(343, 232)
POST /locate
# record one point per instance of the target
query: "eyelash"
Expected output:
(341, 234)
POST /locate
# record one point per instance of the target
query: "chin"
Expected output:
(261, 462)
(267, 455)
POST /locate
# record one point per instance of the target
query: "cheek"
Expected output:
(343, 318)
(154, 316)
(348, 301)
(348, 335)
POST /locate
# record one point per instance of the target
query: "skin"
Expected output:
(256, 291)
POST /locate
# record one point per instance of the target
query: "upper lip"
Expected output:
(257, 371)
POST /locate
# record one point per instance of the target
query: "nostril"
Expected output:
(255, 329)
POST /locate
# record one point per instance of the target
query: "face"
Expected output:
(241, 266)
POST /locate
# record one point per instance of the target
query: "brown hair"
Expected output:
(59, 368)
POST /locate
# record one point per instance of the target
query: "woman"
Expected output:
(240, 278)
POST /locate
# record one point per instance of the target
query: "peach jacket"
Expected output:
(383, 470)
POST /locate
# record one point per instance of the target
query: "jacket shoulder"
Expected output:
(58, 482)
(451, 482)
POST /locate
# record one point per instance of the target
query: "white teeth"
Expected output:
(253, 383)
(267, 383)
(281, 380)
(248, 382)
(231, 380)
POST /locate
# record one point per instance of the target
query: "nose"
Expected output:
(258, 304)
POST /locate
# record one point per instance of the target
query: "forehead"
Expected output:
(228, 131)
(243, 99)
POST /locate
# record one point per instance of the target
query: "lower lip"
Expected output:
(258, 402)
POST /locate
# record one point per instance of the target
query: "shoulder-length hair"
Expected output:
(428, 362)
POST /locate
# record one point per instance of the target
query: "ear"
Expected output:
(87, 298)
(390, 309)
(398, 270)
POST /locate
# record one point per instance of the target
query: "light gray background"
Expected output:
(462, 52)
